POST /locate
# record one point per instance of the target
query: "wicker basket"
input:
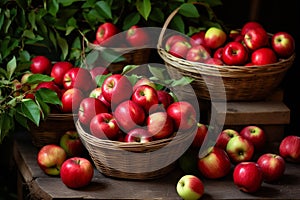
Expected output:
(51, 130)
(231, 83)
(132, 56)
(135, 160)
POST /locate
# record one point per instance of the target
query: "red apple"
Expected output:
(146, 97)
(215, 37)
(137, 36)
(58, 71)
(144, 81)
(256, 38)
(129, 115)
(214, 61)
(256, 135)
(234, 53)
(201, 133)
(289, 148)
(116, 88)
(218, 53)
(263, 56)
(197, 54)
(190, 187)
(71, 143)
(51, 86)
(215, 164)
(160, 125)
(184, 115)
(79, 78)
(248, 176)
(224, 137)
(139, 135)
(40, 65)
(173, 39)
(272, 165)
(164, 99)
(77, 172)
(250, 25)
(179, 49)
(198, 38)
(239, 149)
(105, 31)
(71, 99)
(283, 44)
(235, 35)
(97, 93)
(88, 108)
(104, 126)
(50, 159)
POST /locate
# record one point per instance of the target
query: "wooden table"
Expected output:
(42, 186)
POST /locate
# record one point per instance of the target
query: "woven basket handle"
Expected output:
(167, 22)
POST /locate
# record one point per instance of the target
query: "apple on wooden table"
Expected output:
(190, 187)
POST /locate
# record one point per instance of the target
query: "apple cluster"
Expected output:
(107, 34)
(139, 111)
(243, 153)
(67, 160)
(70, 83)
(251, 45)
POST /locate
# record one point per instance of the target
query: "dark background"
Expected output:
(274, 15)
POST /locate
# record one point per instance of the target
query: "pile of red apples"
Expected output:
(134, 111)
(251, 45)
(239, 154)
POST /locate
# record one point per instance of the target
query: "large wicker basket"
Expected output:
(139, 161)
(231, 83)
(131, 55)
(50, 130)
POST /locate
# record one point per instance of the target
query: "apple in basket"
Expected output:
(283, 44)
(58, 71)
(129, 115)
(97, 93)
(140, 135)
(143, 81)
(71, 99)
(40, 65)
(250, 25)
(173, 39)
(164, 99)
(198, 38)
(214, 37)
(104, 126)
(234, 53)
(184, 115)
(160, 125)
(190, 187)
(88, 108)
(197, 54)
(50, 159)
(146, 97)
(263, 56)
(116, 88)
(256, 38)
(137, 36)
(179, 49)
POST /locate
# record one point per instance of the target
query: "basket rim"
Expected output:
(130, 146)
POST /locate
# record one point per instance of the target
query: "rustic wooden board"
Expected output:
(42, 186)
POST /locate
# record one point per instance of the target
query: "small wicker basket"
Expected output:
(50, 130)
(132, 56)
(231, 83)
(139, 161)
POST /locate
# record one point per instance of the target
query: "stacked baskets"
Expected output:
(219, 83)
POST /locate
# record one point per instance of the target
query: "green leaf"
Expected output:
(157, 72)
(6, 124)
(178, 24)
(104, 9)
(100, 79)
(131, 19)
(157, 15)
(189, 10)
(182, 81)
(11, 67)
(31, 19)
(30, 110)
(53, 7)
(47, 96)
(38, 78)
(144, 8)
(129, 68)
(66, 3)
(63, 44)
(22, 120)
